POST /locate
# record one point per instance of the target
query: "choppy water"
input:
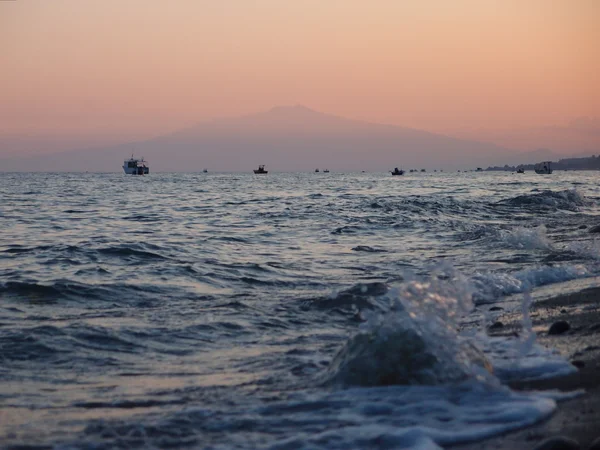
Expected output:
(279, 311)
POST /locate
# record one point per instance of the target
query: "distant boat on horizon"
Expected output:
(326, 171)
(397, 172)
(261, 169)
(205, 171)
(316, 170)
(134, 166)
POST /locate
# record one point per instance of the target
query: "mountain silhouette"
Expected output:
(285, 138)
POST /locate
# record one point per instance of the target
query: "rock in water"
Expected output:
(558, 443)
(559, 327)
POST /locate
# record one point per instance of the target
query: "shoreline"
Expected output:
(577, 418)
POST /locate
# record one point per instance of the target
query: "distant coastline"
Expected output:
(585, 163)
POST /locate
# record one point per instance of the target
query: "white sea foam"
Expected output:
(460, 396)
(511, 364)
(526, 238)
(418, 417)
(490, 287)
(393, 417)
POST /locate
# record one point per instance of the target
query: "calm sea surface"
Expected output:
(278, 311)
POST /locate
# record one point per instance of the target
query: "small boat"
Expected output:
(397, 172)
(543, 168)
(423, 170)
(205, 171)
(261, 169)
(520, 170)
(326, 171)
(134, 166)
(479, 169)
(316, 170)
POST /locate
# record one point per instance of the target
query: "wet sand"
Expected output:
(578, 418)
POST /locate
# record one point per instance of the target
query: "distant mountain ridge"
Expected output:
(285, 138)
(584, 163)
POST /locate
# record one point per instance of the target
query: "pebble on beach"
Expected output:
(559, 327)
(496, 325)
(595, 229)
(558, 443)
(496, 308)
(578, 363)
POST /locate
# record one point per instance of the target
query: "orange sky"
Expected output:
(150, 66)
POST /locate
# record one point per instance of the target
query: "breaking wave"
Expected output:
(412, 338)
(570, 200)
(492, 286)
(526, 238)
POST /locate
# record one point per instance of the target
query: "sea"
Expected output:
(281, 311)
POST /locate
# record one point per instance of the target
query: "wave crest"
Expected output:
(569, 200)
(414, 339)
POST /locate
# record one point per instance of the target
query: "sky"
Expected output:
(108, 70)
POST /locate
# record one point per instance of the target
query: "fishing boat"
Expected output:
(134, 166)
(326, 171)
(520, 170)
(316, 170)
(205, 171)
(397, 171)
(543, 168)
(261, 169)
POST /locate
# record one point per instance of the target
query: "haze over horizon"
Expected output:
(102, 73)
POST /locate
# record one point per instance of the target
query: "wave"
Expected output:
(26, 346)
(67, 290)
(414, 340)
(411, 333)
(368, 249)
(526, 238)
(423, 418)
(407, 362)
(490, 287)
(570, 200)
(130, 251)
(359, 296)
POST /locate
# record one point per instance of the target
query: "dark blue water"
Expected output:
(278, 311)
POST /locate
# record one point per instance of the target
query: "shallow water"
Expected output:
(205, 310)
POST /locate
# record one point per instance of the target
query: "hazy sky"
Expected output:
(140, 67)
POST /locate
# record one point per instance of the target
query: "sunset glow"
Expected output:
(142, 68)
